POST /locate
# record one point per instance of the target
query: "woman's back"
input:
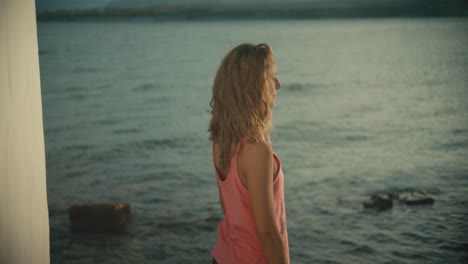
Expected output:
(238, 240)
(241, 160)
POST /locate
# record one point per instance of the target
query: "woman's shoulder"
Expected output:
(254, 153)
(254, 148)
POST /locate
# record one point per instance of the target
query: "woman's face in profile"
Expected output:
(273, 81)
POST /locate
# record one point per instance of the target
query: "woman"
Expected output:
(248, 172)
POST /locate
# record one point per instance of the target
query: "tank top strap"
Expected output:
(242, 141)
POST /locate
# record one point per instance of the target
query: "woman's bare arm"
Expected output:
(257, 164)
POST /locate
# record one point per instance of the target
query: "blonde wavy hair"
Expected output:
(242, 99)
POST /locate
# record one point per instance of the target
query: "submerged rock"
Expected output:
(379, 203)
(421, 201)
(103, 217)
(415, 198)
(386, 201)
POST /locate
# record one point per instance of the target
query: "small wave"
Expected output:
(443, 112)
(414, 236)
(454, 246)
(381, 238)
(136, 146)
(78, 147)
(357, 138)
(299, 87)
(126, 131)
(455, 145)
(432, 83)
(408, 255)
(73, 174)
(156, 200)
(85, 70)
(213, 219)
(96, 106)
(75, 89)
(465, 203)
(175, 225)
(75, 92)
(160, 99)
(56, 130)
(360, 249)
(78, 97)
(203, 224)
(144, 87)
(347, 243)
(207, 224)
(52, 130)
(107, 156)
(314, 123)
(109, 121)
(369, 108)
(151, 144)
(295, 87)
(458, 131)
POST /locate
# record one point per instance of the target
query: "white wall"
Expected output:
(24, 219)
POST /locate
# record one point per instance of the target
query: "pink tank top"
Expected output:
(237, 241)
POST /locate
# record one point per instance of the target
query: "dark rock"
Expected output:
(394, 196)
(384, 201)
(415, 198)
(379, 203)
(421, 201)
(103, 217)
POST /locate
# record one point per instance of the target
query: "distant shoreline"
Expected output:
(429, 8)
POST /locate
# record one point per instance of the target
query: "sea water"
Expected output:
(367, 106)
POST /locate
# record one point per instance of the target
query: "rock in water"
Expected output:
(421, 201)
(384, 201)
(379, 203)
(103, 217)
